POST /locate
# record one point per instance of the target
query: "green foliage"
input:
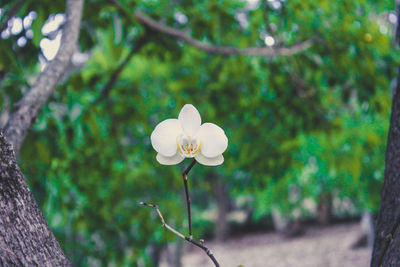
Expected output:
(315, 121)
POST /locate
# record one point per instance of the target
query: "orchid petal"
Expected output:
(214, 161)
(190, 119)
(213, 140)
(175, 159)
(163, 138)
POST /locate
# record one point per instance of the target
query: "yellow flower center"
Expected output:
(188, 146)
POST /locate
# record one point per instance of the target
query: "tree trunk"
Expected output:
(386, 251)
(324, 209)
(367, 236)
(281, 221)
(387, 239)
(27, 109)
(174, 254)
(155, 253)
(368, 227)
(25, 237)
(222, 199)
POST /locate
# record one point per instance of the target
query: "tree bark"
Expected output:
(386, 250)
(32, 102)
(387, 242)
(25, 236)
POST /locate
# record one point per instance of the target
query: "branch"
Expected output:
(189, 239)
(31, 103)
(302, 86)
(223, 50)
(115, 75)
(123, 10)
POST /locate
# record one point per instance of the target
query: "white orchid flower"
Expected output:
(186, 137)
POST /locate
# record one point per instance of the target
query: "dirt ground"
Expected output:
(319, 247)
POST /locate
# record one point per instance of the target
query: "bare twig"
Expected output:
(171, 229)
(185, 181)
(31, 103)
(164, 224)
(190, 238)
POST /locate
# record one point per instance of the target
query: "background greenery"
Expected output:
(299, 127)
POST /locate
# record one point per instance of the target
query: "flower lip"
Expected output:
(187, 145)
